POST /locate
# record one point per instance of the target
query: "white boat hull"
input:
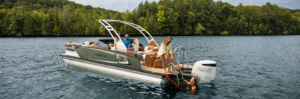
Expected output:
(115, 71)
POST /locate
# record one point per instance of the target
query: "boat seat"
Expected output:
(151, 56)
(146, 51)
(144, 56)
(152, 43)
(150, 47)
(155, 49)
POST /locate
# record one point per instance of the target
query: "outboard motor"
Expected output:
(204, 70)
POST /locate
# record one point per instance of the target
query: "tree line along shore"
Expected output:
(165, 17)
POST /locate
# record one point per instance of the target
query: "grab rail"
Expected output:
(183, 57)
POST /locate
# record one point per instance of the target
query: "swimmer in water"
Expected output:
(193, 83)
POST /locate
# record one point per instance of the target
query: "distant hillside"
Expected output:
(166, 17)
(50, 18)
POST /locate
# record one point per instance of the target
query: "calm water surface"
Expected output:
(247, 67)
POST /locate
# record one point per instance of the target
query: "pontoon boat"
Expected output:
(138, 63)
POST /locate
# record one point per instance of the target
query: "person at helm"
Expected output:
(127, 41)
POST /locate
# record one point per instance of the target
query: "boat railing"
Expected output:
(173, 67)
(184, 57)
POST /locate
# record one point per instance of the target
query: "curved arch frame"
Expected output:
(109, 28)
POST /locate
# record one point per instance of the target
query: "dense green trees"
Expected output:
(166, 17)
(51, 18)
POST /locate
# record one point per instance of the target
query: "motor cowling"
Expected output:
(204, 70)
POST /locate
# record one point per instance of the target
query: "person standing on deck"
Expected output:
(165, 52)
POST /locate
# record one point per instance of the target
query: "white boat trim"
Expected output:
(105, 61)
(102, 68)
(102, 51)
(72, 53)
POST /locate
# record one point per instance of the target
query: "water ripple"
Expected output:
(247, 67)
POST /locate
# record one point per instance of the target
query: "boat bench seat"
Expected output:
(152, 43)
(72, 43)
(151, 58)
(95, 46)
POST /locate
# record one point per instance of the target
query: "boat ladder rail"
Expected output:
(181, 68)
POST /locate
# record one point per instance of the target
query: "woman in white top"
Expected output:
(117, 39)
(165, 52)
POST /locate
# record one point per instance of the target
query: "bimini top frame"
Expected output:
(120, 44)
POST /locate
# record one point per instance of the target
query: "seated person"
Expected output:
(117, 39)
(127, 41)
(101, 44)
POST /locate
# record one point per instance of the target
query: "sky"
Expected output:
(123, 5)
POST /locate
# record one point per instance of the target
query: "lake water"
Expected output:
(247, 67)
